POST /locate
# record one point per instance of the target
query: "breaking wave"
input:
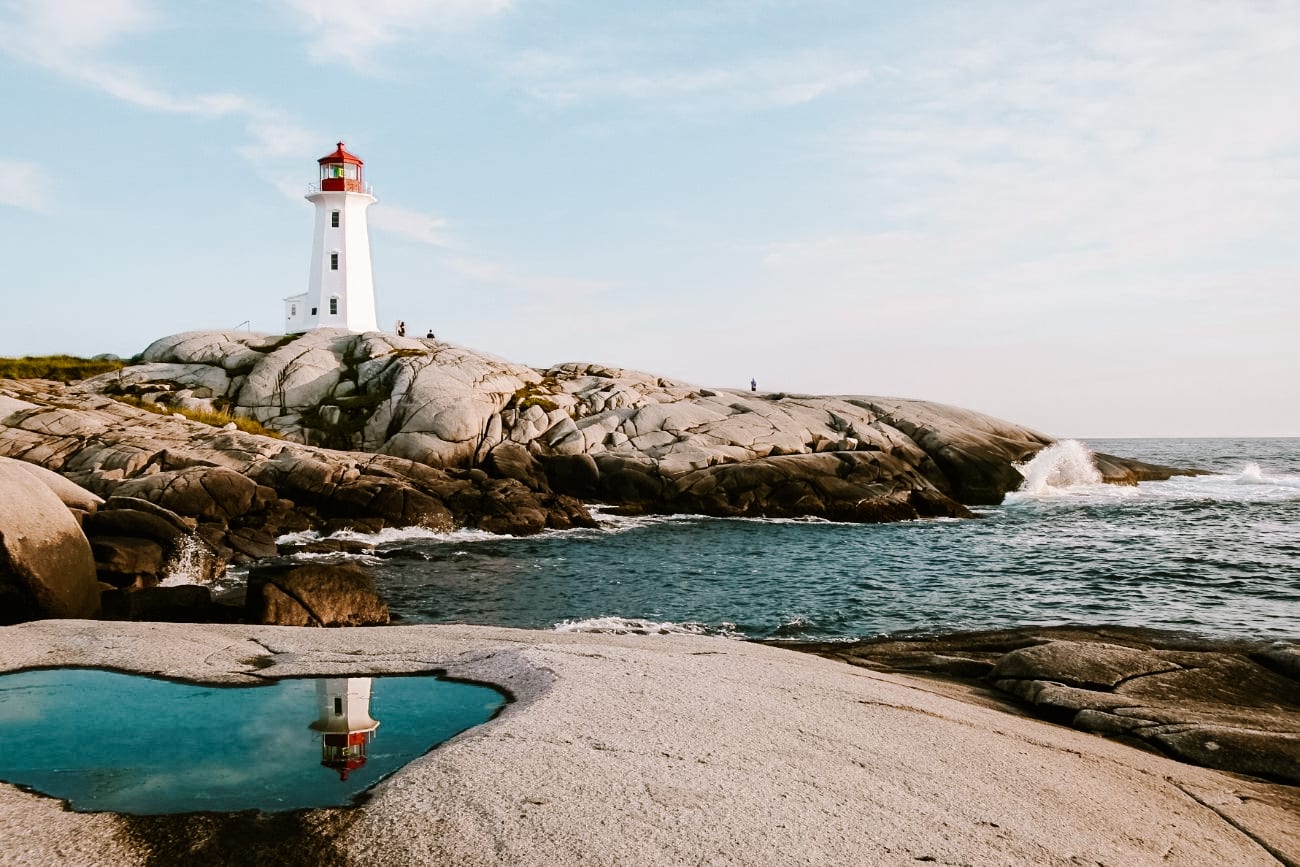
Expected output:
(1058, 468)
(1251, 474)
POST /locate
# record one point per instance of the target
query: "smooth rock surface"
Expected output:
(46, 566)
(667, 750)
(70, 494)
(1232, 705)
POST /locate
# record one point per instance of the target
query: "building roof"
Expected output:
(340, 156)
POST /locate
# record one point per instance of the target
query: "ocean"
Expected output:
(1216, 555)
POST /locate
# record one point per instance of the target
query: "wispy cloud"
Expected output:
(541, 288)
(353, 31)
(606, 73)
(26, 185)
(77, 40)
(415, 225)
(1062, 147)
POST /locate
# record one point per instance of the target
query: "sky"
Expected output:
(1082, 217)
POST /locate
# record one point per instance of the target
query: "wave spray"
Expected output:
(1066, 464)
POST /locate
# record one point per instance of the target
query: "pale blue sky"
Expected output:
(1084, 217)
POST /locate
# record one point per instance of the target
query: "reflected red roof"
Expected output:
(340, 156)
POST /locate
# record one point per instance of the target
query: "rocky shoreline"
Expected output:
(103, 500)
(368, 431)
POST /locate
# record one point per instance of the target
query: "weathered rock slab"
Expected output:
(1223, 704)
(668, 750)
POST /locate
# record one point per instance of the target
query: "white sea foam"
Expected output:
(1251, 474)
(336, 557)
(390, 535)
(1065, 470)
(637, 626)
(1057, 468)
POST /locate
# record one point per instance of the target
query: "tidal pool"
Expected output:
(107, 741)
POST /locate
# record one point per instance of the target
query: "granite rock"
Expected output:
(46, 565)
(626, 437)
(313, 595)
(1233, 705)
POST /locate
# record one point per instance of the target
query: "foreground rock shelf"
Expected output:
(668, 750)
(1231, 704)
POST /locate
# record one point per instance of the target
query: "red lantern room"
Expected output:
(341, 171)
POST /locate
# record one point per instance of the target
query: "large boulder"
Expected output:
(70, 493)
(315, 594)
(124, 561)
(202, 492)
(187, 603)
(46, 566)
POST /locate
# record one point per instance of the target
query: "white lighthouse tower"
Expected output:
(341, 289)
(343, 719)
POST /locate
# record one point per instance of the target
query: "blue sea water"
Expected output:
(1217, 555)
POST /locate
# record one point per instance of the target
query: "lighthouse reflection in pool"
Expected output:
(106, 741)
(344, 723)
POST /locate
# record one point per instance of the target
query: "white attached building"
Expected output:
(341, 289)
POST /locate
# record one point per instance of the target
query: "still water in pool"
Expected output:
(106, 741)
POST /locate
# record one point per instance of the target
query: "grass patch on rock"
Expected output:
(535, 394)
(216, 418)
(61, 368)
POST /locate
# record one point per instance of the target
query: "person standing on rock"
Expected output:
(753, 385)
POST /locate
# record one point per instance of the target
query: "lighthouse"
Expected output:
(341, 286)
(343, 719)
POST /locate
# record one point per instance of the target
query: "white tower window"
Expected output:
(334, 305)
(334, 261)
(334, 219)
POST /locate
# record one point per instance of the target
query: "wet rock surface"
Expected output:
(1233, 705)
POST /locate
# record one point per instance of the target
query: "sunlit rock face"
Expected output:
(594, 431)
(46, 565)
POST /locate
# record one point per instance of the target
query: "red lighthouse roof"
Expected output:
(340, 156)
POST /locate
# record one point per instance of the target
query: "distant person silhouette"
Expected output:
(753, 385)
(401, 328)
(429, 336)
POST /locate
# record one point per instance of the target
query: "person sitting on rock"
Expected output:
(429, 336)
(401, 328)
